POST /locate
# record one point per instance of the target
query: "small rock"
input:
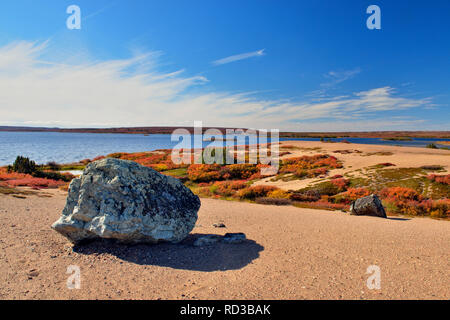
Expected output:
(368, 206)
(234, 238)
(206, 240)
(32, 273)
(229, 238)
(219, 225)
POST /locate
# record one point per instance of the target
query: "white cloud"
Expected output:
(238, 57)
(131, 92)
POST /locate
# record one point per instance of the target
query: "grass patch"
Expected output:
(15, 192)
(71, 167)
(379, 153)
(382, 165)
(179, 173)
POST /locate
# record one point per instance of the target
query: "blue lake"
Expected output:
(43, 147)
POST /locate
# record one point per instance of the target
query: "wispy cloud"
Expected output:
(333, 78)
(132, 92)
(336, 77)
(238, 57)
(100, 11)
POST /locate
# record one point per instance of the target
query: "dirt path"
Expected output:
(292, 253)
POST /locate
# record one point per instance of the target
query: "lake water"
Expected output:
(43, 147)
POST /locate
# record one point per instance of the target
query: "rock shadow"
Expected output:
(398, 219)
(184, 255)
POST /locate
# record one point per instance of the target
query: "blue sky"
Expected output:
(291, 65)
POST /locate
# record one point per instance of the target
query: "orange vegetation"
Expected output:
(13, 179)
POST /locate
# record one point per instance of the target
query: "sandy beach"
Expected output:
(291, 253)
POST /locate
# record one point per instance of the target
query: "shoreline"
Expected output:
(443, 145)
(283, 134)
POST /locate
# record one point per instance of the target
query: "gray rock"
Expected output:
(210, 239)
(368, 206)
(122, 200)
(207, 240)
(234, 238)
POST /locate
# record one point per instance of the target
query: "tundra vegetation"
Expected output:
(422, 191)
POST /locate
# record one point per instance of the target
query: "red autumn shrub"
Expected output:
(34, 183)
(386, 164)
(204, 172)
(228, 188)
(159, 160)
(213, 172)
(440, 179)
(204, 184)
(400, 193)
(221, 188)
(14, 179)
(320, 171)
(352, 194)
(5, 175)
(329, 161)
(309, 166)
(433, 208)
(98, 158)
(238, 171)
(341, 183)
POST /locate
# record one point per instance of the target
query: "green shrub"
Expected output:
(27, 166)
(53, 166)
(52, 175)
(23, 165)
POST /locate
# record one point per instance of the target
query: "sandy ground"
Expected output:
(291, 253)
(366, 156)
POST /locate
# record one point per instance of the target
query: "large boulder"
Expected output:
(368, 206)
(122, 200)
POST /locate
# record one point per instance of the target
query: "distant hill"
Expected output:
(169, 130)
